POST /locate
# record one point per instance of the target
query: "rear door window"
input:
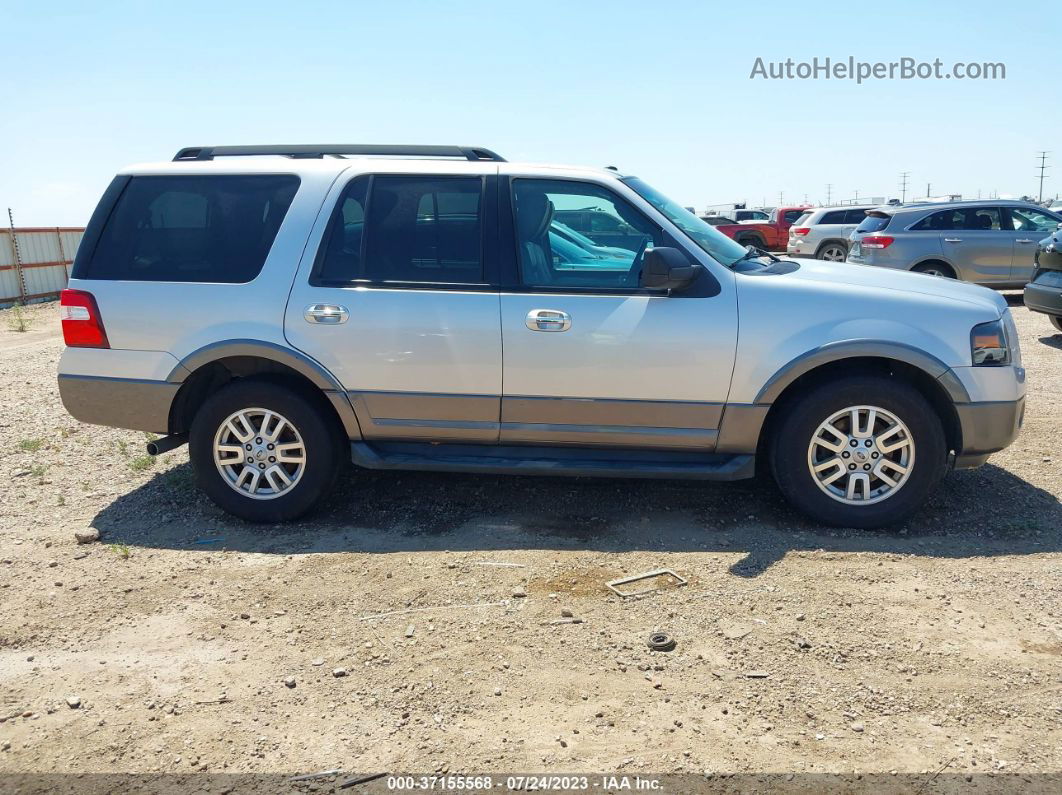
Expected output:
(940, 221)
(216, 228)
(855, 216)
(833, 217)
(405, 230)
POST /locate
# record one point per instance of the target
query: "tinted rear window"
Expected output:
(405, 229)
(192, 228)
(803, 219)
(833, 217)
(855, 216)
(874, 223)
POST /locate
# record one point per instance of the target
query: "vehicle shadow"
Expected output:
(1054, 341)
(988, 511)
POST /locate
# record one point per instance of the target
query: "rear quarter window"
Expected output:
(833, 217)
(214, 228)
(803, 219)
(873, 223)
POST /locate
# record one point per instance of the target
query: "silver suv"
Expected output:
(823, 232)
(991, 242)
(286, 310)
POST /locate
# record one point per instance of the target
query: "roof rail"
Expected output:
(337, 150)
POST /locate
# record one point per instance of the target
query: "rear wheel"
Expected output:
(935, 269)
(1056, 321)
(833, 252)
(264, 452)
(858, 452)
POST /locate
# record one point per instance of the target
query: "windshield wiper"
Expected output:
(751, 252)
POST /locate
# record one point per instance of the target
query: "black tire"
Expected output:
(1056, 321)
(791, 437)
(828, 250)
(755, 242)
(935, 269)
(322, 440)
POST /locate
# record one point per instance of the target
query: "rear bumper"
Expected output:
(1040, 298)
(987, 428)
(140, 405)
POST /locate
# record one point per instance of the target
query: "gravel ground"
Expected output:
(185, 640)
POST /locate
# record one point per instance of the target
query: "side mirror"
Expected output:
(668, 269)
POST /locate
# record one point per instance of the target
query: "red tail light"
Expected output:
(82, 324)
(800, 230)
(876, 241)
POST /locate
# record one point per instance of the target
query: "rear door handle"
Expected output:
(548, 320)
(953, 240)
(1023, 240)
(326, 314)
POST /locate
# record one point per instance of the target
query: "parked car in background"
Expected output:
(990, 242)
(771, 235)
(717, 220)
(1044, 292)
(823, 232)
(738, 211)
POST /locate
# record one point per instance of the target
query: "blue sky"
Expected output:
(661, 90)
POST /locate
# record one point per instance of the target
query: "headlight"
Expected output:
(988, 344)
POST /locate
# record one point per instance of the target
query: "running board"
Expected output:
(552, 461)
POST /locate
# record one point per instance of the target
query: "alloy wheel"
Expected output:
(861, 455)
(259, 453)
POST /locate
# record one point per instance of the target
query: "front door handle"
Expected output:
(1023, 240)
(326, 314)
(953, 240)
(548, 320)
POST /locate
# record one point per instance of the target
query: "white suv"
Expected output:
(287, 309)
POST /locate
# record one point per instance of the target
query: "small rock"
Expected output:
(800, 616)
(73, 702)
(802, 643)
(5, 746)
(338, 672)
(317, 661)
(519, 593)
(410, 630)
(289, 681)
(757, 674)
(566, 613)
(87, 536)
(245, 616)
(497, 691)
(857, 727)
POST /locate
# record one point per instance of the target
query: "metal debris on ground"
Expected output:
(312, 776)
(355, 780)
(493, 563)
(675, 579)
(559, 621)
(661, 641)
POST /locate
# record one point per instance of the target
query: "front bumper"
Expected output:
(1043, 298)
(141, 405)
(987, 428)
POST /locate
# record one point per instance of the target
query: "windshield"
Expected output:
(715, 243)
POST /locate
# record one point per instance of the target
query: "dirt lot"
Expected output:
(799, 648)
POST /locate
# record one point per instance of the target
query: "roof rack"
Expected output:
(338, 150)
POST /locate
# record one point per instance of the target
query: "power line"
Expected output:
(1043, 167)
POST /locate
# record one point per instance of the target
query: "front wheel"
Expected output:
(1056, 321)
(858, 452)
(264, 452)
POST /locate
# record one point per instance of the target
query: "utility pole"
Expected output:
(780, 198)
(1043, 167)
(828, 194)
(903, 185)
